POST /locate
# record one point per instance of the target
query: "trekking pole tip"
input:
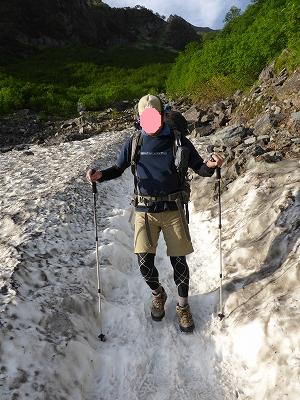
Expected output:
(102, 337)
(221, 316)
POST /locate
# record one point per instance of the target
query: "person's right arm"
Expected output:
(123, 162)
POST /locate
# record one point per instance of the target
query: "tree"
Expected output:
(232, 14)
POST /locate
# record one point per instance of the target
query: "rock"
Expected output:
(277, 110)
(81, 108)
(5, 149)
(265, 139)
(219, 107)
(295, 116)
(238, 93)
(81, 129)
(257, 90)
(49, 124)
(20, 147)
(228, 110)
(250, 140)
(210, 148)
(121, 105)
(258, 151)
(295, 140)
(202, 131)
(239, 165)
(267, 73)
(207, 118)
(192, 114)
(220, 120)
(287, 103)
(68, 124)
(263, 125)
(4, 290)
(270, 157)
(281, 78)
(229, 136)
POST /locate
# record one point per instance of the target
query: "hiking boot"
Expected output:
(158, 305)
(186, 323)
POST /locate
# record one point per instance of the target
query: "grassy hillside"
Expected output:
(234, 58)
(55, 81)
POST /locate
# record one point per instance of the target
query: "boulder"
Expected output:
(263, 125)
(192, 114)
(264, 139)
(202, 131)
(270, 157)
(207, 118)
(230, 136)
(267, 73)
(295, 140)
(295, 116)
(219, 107)
(220, 120)
(258, 151)
(250, 140)
(121, 105)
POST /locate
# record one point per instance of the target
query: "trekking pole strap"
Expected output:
(148, 230)
(183, 219)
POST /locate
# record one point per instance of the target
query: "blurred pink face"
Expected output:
(150, 121)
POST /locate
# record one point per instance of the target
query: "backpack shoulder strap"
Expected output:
(135, 150)
(177, 140)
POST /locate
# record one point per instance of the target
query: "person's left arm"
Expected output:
(198, 165)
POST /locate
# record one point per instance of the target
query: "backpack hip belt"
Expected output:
(180, 198)
(140, 200)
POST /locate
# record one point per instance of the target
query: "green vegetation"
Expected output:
(235, 56)
(55, 81)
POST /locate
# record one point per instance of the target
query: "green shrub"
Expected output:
(235, 56)
(54, 81)
(10, 99)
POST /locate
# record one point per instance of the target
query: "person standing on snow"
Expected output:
(159, 202)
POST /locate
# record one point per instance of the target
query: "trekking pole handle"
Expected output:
(94, 185)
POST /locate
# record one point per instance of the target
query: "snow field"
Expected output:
(49, 346)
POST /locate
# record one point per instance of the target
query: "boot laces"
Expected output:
(185, 316)
(158, 301)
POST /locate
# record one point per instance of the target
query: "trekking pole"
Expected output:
(101, 336)
(220, 314)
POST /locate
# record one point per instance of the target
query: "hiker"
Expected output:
(160, 200)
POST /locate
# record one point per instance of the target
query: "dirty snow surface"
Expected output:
(49, 346)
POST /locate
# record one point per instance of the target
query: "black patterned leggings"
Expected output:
(150, 273)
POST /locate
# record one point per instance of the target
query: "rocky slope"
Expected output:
(263, 125)
(56, 23)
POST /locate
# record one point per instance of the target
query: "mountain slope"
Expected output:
(57, 23)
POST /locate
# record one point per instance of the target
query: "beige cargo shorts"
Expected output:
(170, 223)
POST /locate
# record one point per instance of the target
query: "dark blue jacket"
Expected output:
(156, 171)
